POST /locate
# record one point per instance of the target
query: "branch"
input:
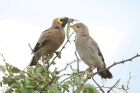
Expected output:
(65, 79)
(3, 58)
(67, 65)
(113, 86)
(115, 63)
(98, 85)
(47, 84)
(30, 47)
(60, 51)
(30, 62)
(77, 61)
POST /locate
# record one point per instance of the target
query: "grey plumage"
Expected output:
(88, 50)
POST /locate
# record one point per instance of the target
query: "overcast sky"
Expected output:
(115, 25)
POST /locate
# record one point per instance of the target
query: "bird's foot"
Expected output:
(58, 54)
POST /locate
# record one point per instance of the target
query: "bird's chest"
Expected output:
(85, 53)
(56, 41)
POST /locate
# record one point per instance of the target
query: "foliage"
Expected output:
(40, 80)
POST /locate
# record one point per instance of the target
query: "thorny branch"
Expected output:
(115, 63)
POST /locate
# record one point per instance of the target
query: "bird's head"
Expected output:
(61, 22)
(79, 28)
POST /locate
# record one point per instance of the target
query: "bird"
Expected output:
(50, 39)
(89, 50)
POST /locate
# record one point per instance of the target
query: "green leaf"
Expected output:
(29, 90)
(71, 67)
(88, 88)
(15, 70)
(77, 79)
(53, 63)
(51, 55)
(87, 73)
(68, 32)
(22, 75)
(2, 68)
(26, 80)
(36, 91)
(30, 68)
(11, 80)
(123, 87)
(1, 84)
(22, 89)
(18, 91)
(29, 86)
(65, 86)
(67, 82)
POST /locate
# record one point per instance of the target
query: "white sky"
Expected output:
(114, 25)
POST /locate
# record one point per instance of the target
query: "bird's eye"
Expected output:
(61, 19)
(77, 26)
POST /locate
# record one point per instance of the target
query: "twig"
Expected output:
(67, 65)
(98, 85)
(115, 63)
(3, 58)
(77, 61)
(65, 79)
(113, 86)
(47, 84)
(60, 51)
(128, 82)
(31, 61)
(30, 47)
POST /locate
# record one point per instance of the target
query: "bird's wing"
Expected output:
(42, 40)
(93, 42)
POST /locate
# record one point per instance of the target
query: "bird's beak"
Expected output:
(73, 27)
(64, 21)
(70, 20)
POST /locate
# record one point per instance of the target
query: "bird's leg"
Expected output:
(58, 54)
(90, 68)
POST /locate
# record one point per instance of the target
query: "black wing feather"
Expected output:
(38, 45)
(100, 54)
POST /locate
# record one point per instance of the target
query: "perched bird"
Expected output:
(50, 40)
(88, 50)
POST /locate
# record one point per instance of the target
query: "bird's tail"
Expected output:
(34, 61)
(105, 74)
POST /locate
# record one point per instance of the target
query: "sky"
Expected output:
(113, 24)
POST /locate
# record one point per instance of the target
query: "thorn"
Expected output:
(122, 61)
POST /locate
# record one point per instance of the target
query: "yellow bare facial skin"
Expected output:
(58, 20)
